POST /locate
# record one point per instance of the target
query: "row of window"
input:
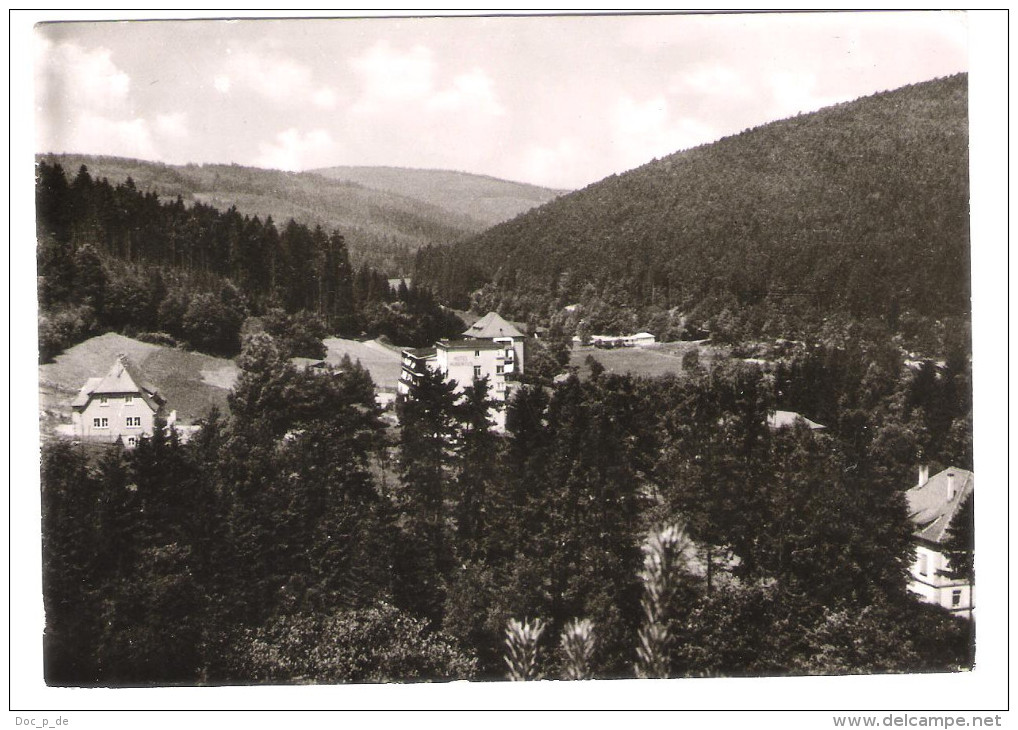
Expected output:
(132, 421)
(499, 370)
(924, 570)
(105, 401)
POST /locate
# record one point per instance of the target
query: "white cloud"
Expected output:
(80, 78)
(546, 163)
(390, 75)
(793, 92)
(645, 130)
(713, 80)
(293, 150)
(172, 125)
(635, 119)
(473, 91)
(324, 98)
(99, 135)
(83, 104)
(275, 77)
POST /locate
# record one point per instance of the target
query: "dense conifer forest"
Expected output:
(653, 527)
(111, 257)
(385, 214)
(858, 212)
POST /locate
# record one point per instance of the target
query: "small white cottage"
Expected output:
(119, 406)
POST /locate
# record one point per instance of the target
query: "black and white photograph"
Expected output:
(429, 355)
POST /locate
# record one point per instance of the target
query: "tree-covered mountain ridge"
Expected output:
(383, 220)
(860, 209)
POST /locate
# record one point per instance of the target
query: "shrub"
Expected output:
(157, 338)
(379, 644)
(521, 649)
(63, 328)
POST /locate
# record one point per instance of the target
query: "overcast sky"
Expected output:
(561, 101)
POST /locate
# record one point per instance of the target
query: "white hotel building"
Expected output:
(491, 347)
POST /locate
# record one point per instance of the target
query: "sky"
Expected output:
(555, 101)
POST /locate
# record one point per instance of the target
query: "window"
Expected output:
(132, 441)
(477, 371)
(103, 400)
(95, 422)
(134, 420)
(956, 597)
(477, 353)
(100, 423)
(923, 567)
(499, 369)
(128, 399)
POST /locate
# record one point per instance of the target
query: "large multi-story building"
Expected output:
(933, 504)
(491, 348)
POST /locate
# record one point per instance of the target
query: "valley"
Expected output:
(734, 494)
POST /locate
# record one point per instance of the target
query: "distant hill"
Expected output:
(860, 209)
(487, 200)
(383, 226)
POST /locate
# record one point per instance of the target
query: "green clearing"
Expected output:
(382, 361)
(649, 362)
(191, 382)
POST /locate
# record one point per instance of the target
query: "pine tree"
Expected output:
(478, 453)
(428, 432)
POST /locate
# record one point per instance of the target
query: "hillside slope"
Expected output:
(860, 209)
(191, 382)
(487, 200)
(383, 225)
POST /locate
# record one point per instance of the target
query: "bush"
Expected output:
(297, 335)
(380, 644)
(157, 338)
(212, 323)
(63, 328)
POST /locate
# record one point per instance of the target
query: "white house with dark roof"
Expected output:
(932, 505)
(118, 406)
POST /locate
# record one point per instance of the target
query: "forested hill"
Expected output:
(860, 209)
(383, 224)
(487, 200)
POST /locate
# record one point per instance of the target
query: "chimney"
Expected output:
(950, 486)
(924, 474)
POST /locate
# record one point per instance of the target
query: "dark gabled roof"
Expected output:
(420, 352)
(492, 325)
(469, 344)
(81, 399)
(122, 379)
(931, 508)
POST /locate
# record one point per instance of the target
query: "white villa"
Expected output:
(932, 504)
